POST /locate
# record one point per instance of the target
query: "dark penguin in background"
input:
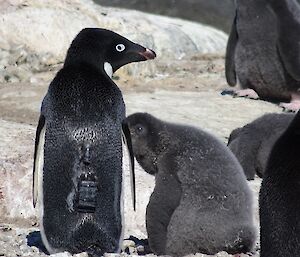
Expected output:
(253, 59)
(288, 24)
(253, 143)
(279, 205)
(201, 201)
(78, 148)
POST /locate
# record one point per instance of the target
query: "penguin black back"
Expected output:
(80, 180)
(80, 114)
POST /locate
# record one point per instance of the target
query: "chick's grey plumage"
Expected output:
(253, 143)
(201, 201)
(252, 57)
(83, 112)
(279, 206)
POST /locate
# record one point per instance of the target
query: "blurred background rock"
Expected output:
(216, 13)
(35, 34)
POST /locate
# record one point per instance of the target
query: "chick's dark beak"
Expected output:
(148, 54)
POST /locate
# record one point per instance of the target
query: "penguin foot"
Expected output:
(248, 93)
(293, 106)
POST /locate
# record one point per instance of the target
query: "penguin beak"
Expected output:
(136, 53)
(148, 54)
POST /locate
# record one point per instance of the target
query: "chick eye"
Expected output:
(120, 47)
(139, 130)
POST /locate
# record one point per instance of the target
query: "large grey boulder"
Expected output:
(35, 35)
(216, 13)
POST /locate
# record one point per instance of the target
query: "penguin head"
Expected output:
(145, 135)
(106, 50)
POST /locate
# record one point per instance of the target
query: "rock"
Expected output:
(16, 171)
(36, 38)
(215, 13)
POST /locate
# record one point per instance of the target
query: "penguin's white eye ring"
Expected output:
(120, 47)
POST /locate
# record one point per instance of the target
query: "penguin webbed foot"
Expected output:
(247, 93)
(293, 105)
(289, 107)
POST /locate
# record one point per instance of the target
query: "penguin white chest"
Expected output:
(108, 69)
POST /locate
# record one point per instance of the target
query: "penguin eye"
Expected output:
(139, 129)
(120, 47)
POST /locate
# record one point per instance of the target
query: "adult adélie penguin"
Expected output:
(78, 148)
(287, 13)
(254, 60)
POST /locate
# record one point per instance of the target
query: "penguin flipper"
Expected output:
(38, 157)
(230, 53)
(127, 140)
